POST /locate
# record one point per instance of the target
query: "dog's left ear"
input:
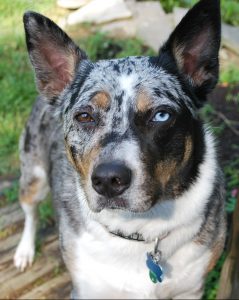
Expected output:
(53, 54)
(194, 45)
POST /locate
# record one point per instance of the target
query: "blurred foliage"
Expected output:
(230, 74)
(212, 279)
(16, 78)
(11, 194)
(46, 213)
(99, 46)
(229, 8)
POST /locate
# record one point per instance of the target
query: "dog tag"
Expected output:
(155, 270)
(152, 262)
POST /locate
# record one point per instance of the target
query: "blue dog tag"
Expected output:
(155, 270)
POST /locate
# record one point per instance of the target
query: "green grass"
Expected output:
(46, 213)
(230, 75)
(16, 78)
(212, 280)
(11, 194)
(229, 8)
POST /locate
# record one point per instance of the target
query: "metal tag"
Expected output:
(153, 263)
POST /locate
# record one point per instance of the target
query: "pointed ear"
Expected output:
(53, 54)
(195, 44)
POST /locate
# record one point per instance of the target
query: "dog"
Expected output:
(133, 170)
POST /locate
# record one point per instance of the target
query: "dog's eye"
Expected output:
(161, 116)
(84, 117)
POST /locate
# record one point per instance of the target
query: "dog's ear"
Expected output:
(53, 54)
(195, 43)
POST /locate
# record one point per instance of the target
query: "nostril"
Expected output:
(116, 181)
(96, 181)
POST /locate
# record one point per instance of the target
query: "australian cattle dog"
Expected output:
(136, 185)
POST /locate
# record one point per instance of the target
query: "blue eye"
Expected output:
(161, 116)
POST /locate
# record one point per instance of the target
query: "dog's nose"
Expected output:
(111, 179)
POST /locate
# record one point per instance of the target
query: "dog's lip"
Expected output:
(113, 203)
(120, 204)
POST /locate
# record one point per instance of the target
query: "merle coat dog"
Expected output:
(132, 169)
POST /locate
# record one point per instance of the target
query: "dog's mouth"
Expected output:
(120, 204)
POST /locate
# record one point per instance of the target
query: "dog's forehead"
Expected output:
(132, 74)
(127, 78)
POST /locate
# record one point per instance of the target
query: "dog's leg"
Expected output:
(31, 192)
(26, 249)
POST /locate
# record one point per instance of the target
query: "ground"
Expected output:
(47, 278)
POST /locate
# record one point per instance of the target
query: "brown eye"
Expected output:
(84, 118)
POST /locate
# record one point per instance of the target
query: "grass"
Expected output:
(230, 75)
(18, 93)
(16, 80)
(229, 8)
(11, 194)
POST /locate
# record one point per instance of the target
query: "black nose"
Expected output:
(111, 179)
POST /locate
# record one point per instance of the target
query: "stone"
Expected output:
(99, 11)
(72, 4)
(223, 54)
(230, 37)
(152, 23)
(121, 29)
(178, 14)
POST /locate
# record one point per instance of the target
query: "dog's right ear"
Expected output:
(194, 45)
(53, 54)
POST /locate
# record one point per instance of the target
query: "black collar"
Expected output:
(133, 236)
(138, 237)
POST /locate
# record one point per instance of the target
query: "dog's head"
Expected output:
(131, 126)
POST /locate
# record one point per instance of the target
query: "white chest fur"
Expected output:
(112, 267)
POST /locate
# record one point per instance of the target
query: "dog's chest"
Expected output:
(111, 267)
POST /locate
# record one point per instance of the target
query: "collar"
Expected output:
(133, 236)
(138, 237)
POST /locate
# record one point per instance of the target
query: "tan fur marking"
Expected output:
(165, 170)
(69, 154)
(187, 149)
(27, 195)
(76, 163)
(83, 165)
(216, 253)
(102, 100)
(89, 158)
(143, 102)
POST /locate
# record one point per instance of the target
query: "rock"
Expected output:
(153, 25)
(178, 14)
(121, 29)
(223, 54)
(99, 11)
(72, 4)
(230, 37)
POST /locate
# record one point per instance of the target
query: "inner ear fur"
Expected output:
(53, 54)
(194, 45)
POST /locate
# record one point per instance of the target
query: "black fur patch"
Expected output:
(27, 141)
